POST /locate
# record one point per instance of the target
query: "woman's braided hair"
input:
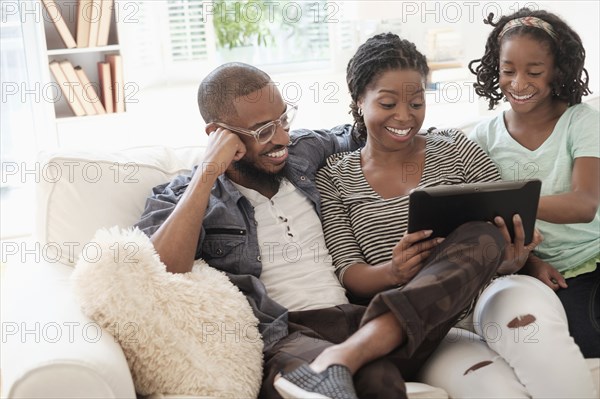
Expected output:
(570, 81)
(379, 54)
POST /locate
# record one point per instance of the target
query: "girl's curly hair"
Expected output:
(379, 54)
(570, 77)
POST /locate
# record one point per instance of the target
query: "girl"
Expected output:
(536, 62)
(364, 201)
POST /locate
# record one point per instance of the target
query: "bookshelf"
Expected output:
(85, 56)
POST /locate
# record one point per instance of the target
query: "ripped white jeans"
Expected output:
(516, 345)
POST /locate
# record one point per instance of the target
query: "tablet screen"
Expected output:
(444, 208)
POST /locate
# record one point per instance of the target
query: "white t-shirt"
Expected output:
(576, 134)
(296, 266)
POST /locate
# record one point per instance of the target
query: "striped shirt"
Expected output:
(362, 227)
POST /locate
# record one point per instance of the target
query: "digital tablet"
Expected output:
(444, 208)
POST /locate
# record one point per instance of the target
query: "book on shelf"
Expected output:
(89, 90)
(105, 80)
(77, 87)
(59, 23)
(66, 89)
(84, 10)
(81, 93)
(105, 20)
(118, 84)
(95, 16)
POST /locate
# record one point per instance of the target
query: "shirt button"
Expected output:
(219, 251)
(258, 258)
(302, 178)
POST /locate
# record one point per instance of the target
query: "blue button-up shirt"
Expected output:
(228, 240)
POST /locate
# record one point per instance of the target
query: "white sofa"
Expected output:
(49, 348)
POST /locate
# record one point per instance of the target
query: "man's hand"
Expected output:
(224, 147)
(176, 240)
(543, 271)
(516, 253)
(409, 253)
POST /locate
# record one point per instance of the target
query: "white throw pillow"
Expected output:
(187, 334)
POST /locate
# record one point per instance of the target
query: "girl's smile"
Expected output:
(526, 73)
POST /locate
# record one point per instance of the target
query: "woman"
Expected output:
(365, 207)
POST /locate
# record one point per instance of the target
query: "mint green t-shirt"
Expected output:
(576, 134)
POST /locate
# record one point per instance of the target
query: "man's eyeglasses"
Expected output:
(266, 132)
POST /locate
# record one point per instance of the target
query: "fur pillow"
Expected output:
(187, 334)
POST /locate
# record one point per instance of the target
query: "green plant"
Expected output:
(241, 23)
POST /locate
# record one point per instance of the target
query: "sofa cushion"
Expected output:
(80, 192)
(190, 334)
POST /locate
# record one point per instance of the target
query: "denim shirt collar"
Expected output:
(298, 168)
(228, 190)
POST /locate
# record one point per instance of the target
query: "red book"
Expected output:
(105, 79)
(118, 84)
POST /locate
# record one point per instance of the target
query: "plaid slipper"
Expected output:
(304, 383)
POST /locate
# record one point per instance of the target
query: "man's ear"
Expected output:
(210, 127)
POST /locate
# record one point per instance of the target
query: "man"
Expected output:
(252, 210)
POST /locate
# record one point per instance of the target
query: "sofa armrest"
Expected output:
(49, 347)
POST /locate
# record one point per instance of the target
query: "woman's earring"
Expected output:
(360, 112)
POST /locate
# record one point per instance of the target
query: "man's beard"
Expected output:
(249, 173)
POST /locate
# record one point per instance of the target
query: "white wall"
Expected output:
(583, 16)
(169, 114)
